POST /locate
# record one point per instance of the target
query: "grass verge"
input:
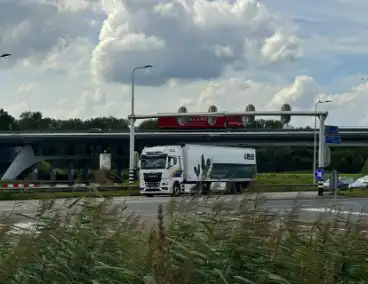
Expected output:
(291, 178)
(91, 242)
(27, 195)
(24, 195)
(284, 178)
(354, 193)
(7, 195)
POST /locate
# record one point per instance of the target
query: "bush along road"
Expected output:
(94, 242)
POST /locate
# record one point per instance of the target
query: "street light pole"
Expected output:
(132, 130)
(315, 138)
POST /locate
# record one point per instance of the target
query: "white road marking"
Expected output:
(336, 211)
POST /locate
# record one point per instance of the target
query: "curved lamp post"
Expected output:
(315, 137)
(131, 135)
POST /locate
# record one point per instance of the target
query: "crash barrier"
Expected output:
(98, 187)
(20, 185)
(73, 188)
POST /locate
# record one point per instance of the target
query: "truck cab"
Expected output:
(161, 170)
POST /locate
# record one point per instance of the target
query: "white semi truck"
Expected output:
(173, 170)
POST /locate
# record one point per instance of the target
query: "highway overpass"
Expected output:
(77, 145)
(350, 137)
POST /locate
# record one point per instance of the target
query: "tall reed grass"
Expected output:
(97, 243)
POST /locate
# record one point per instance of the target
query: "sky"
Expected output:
(74, 58)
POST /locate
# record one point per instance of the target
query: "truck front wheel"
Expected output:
(176, 189)
(320, 191)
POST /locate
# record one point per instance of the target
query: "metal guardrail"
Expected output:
(86, 188)
(69, 189)
(184, 129)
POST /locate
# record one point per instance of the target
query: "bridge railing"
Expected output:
(184, 130)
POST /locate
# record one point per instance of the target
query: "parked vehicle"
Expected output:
(361, 182)
(95, 130)
(343, 182)
(172, 170)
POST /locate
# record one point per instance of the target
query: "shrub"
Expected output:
(96, 242)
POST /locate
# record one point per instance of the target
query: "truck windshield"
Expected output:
(153, 163)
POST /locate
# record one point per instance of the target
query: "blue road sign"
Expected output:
(331, 130)
(332, 135)
(335, 139)
(319, 174)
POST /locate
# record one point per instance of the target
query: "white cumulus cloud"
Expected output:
(302, 93)
(31, 29)
(189, 39)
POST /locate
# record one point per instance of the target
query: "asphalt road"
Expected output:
(310, 205)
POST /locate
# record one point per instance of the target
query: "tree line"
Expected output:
(270, 159)
(35, 121)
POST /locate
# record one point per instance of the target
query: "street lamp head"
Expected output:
(148, 66)
(5, 55)
(323, 102)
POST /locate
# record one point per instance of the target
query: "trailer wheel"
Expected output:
(206, 186)
(176, 189)
(240, 187)
(231, 188)
(195, 190)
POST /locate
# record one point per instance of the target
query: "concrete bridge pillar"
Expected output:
(70, 171)
(119, 169)
(23, 160)
(52, 171)
(86, 171)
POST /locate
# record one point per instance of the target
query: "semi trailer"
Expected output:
(188, 169)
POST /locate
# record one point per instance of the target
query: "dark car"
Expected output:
(95, 130)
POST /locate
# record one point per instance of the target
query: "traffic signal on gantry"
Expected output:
(285, 118)
(212, 119)
(184, 119)
(249, 119)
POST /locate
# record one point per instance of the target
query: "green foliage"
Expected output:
(149, 124)
(96, 242)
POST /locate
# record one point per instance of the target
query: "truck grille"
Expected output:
(152, 177)
(153, 184)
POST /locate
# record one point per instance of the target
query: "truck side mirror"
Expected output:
(169, 163)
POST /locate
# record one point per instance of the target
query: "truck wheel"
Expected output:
(231, 188)
(206, 186)
(320, 191)
(176, 189)
(240, 188)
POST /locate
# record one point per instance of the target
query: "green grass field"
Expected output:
(7, 195)
(95, 244)
(354, 193)
(262, 178)
(284, 178)
(266, 182)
